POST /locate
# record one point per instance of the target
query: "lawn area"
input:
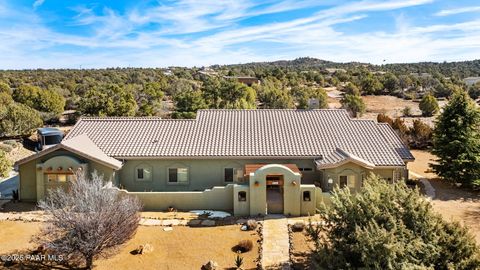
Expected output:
(182, 248)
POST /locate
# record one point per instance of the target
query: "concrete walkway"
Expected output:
(275, 246)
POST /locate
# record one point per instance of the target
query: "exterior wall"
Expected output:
(308, 207)
(218, 198)
(356, 170)
(241, 208)
(28, 181)
(33, 184)
(258, 190)
(203, 174)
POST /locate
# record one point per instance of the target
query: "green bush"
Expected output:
(389, 226)
(6, 148)
(5, 164)
(429, 105)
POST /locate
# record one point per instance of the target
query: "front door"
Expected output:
(274, 194)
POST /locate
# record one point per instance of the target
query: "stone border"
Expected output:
(260, 243)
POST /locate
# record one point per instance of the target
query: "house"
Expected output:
(246, 161)
(244, 79)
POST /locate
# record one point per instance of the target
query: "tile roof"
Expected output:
(392, 137)
(81, 145)
(243, 134)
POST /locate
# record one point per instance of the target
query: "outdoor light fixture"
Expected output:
(330, 181)
(294, 183)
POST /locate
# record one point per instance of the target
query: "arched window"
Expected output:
(242, 196)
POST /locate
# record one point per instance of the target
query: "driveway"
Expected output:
(8, 184)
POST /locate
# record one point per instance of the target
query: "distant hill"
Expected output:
(448, 69)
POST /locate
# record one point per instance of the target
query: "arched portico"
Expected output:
(275, 188)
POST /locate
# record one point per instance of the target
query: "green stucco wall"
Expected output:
(203, 174)
(33, 185)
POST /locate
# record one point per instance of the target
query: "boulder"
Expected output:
(210, 265)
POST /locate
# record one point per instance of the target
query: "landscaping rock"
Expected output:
(241, 221)
(142, 249)
(298, 226)
(210, 265)
(244, 228)
(194, 222)
(208, 223)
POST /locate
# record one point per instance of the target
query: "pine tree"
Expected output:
(456, 141)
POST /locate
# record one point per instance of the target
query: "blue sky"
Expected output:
(96, 34)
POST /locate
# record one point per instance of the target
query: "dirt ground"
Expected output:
(451, 202)
(458, 204)
(181, 248)
(301, 251)
(420, 165)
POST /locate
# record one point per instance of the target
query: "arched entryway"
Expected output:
(275, 194)
(274, 189)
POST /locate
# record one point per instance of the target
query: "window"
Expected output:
(178, 175)
(242, 196)
(347, 181)
(228, 174)
(306, 196)
(305, 169)
(59, 178)
(143, 172)
(140, 173)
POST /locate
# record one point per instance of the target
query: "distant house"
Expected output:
(471, 80)
(244, 79)
(334, 70)
(246, 161)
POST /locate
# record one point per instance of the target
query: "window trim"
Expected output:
(177, 182)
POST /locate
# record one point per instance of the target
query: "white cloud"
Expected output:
(119, 39)
(454, 11)
(38, 3)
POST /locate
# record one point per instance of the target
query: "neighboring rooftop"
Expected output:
(49, 131)
(247, 134)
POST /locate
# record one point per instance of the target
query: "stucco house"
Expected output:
(246, 161)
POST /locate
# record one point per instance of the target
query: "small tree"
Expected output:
(354, 104)
(456, 141)
(428, 105)
(389, 226)
(5, 164)
(407, 111)
(88, 220)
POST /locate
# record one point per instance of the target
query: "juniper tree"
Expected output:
(87, 220)
(456, 141)
(388, 226)
(429, 105)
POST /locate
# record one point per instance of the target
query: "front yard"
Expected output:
(183, 247)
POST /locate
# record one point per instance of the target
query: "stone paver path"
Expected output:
(275, 246)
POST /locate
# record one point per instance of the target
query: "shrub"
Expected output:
(238, 262)
(429, 105)
(407, 111)
(354, 104)
(389, 226)
(244, 246)
(251, 224)
(5, 164)
(11, 142)
(298, 226)
(88, 220)
(6, 148)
